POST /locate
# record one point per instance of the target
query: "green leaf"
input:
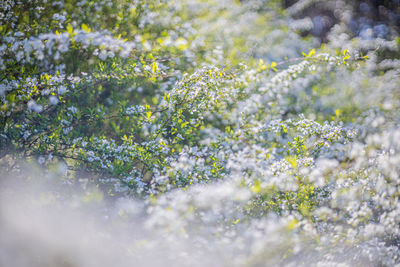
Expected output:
(85, 28)
(273, 65)
(69, 28)
(148, 114)
(154, 67)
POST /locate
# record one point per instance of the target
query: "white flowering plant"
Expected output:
(230, 126)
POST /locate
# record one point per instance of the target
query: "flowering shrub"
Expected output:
(233, 130)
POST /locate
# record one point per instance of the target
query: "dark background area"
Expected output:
(368, 18)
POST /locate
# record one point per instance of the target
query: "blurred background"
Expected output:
(364, 18)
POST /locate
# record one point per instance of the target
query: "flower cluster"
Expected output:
(241, 139)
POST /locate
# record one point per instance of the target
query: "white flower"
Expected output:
(32, 105)
(53, 100)
(62, 89)
(41, 160)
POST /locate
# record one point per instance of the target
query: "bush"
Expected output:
(218, 113)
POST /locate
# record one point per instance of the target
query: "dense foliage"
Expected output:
(232, 127)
